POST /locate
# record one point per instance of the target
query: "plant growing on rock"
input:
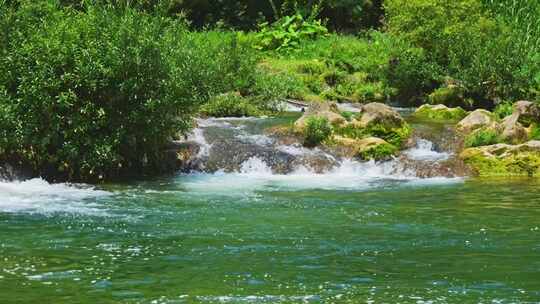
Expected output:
(379, 152)
(317, 130)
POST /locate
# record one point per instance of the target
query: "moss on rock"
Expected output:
(440, 112)
(504, 160)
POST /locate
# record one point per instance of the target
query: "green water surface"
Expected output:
(473, 241)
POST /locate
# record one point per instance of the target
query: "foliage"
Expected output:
(288, 33)
(97, 94)
(230, 105)
(482, 137)
(469, 44)
(503, 109)
(317, 130)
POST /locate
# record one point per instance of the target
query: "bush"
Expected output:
(230, 105)
(317, 130)
(101, 92)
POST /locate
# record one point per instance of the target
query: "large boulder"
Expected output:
(512, 130)
(379, 114)
(440, 112)
(528, 112)
(504, 159)
(476, 120)
(326, 110)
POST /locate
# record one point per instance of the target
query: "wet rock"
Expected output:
(504, 159)
(440, 112)
(182, 156)
(453, 167)
(476, 120)
(326, 110)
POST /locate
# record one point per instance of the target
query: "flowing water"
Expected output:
(269, 229)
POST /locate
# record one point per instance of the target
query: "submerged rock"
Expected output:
(504, 159)
(477, 119)
(440, 112)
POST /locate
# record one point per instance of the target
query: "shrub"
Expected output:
(317, 130)
(101, 92)
(370, 92)
(482, 137)
(230, 105)
(503, 109)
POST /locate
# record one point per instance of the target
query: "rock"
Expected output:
(504, 159)
(528, 112)
(366, 148)
(327, 110)
(440, 112)
(379, 114)
(476, 120)
(513, 131)
(181, 156)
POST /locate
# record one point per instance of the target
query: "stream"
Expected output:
(259, 219)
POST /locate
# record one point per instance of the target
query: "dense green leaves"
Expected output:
(98, 94)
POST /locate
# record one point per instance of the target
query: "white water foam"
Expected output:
(38, 196)
(256, 175)
(425, 151)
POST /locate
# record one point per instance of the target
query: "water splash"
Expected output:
(425, 151)
(38, 196)
(255, 175)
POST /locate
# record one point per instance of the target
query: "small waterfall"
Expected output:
(239, 145)
(425, 151)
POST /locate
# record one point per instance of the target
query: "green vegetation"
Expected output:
(503, 110)
(378, 152)
(98, 94)
(482, 137)
(317, 130)
(230, 105)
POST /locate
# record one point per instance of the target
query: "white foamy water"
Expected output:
(425, 150)
(256, 175)
(38, 196)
